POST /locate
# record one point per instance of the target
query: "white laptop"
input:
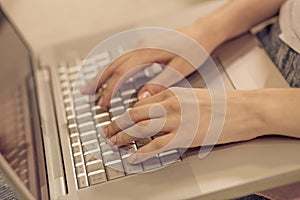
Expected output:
(51, 151)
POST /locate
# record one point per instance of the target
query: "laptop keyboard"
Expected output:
(95, 161)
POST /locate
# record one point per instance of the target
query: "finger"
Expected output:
(156, 146)
(131, 117)
(156, 98)
(109, 90)
(102, 76)
(150, 89)
(120, 75)
(143, 129)
(176, 69)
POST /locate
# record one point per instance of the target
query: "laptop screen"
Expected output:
(20, 133)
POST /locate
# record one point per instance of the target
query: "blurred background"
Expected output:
(51, 22)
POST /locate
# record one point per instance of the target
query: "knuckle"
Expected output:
(137, 104)
(157, 143)
(120, 139)
(172, 105)
(134, 113)
(167, 93)
(113, 126)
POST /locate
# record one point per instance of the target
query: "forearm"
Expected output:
(232, 19)
(263, 112)
(282, 112)
(254, 113)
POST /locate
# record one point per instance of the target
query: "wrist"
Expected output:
(245, 116)
(280, 111)
(206, 31)
(211, 32)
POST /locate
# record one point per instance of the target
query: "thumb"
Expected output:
(150, 89)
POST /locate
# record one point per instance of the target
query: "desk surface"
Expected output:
(50, 22)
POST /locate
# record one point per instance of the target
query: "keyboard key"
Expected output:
(130, 80)
(140, 81)
(88, 67)
(89, 77)
(101, 125)
(78, 84)
(73, 129)
(82, 109)
(82, 181)
(70, 126)
(78, 159)
(104, 117)
(80, 102)
(87, 136)
(74, 134)
(85, 127)
(127, 86)
(129, 94)
(68, 103)
(139, 74)
(130, 168)
(71, 120)
(69, 111)
(73, 69)
(116, 102)
(130, 102)
(111, 157)
(80, 169)
(115, 171)
(106, 148)
(76, 148)
(128, 149)
(102, 56)
(99, 110)
(151, 163)
(114, 118)
(73, 77)
(97, 177)
(83, 118)
(66, 94)
(153, 70)
(92, 157)
(90, 145)
(95, 165)
(75, 139)
(169, 157)
(62, 69)
(117, 111)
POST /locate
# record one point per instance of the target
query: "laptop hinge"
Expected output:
(52, 148)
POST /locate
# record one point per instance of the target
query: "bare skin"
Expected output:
(249, 113)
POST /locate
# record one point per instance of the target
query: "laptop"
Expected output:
(44, 140)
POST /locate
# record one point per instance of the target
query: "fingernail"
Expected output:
(105, 132)
(113, 140)
(144, 95)
(132, 159)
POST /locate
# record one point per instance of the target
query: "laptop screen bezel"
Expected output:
(16, 183)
